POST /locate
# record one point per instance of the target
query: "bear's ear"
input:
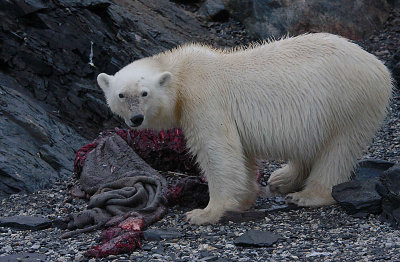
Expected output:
(164, 78)
(104, 81)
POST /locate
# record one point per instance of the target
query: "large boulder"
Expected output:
(275, 18)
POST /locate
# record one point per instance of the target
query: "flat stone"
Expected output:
(253, 215)
(256, 238)
(157, 235)
(25, 222)
(24, 257)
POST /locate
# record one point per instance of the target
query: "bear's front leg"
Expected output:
(222, 161)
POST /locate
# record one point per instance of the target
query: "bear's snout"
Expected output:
(137, 120)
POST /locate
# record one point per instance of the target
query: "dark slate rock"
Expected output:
(391, 213)
(24, 257)
(371, 169)
(389, 189)
(214, 10)
(256, 214)
(35, 148)
(359, 196)
(50, 55)
(279, 17)
(157, 235)
(210, 258)
(147, 247)
(25, 222)
(395, 67)
(256, 238)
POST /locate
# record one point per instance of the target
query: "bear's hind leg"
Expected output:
(333, 166)
(290, 178)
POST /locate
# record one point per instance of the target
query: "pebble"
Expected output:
(35, 246)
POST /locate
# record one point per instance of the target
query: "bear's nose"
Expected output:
(137, 120)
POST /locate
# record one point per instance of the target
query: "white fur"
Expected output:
(314, 100)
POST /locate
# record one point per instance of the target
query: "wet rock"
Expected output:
(256, 238)
(25, 222)
(214, 10)
(352, 19)
(389, 189)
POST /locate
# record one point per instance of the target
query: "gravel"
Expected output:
(326, 233)
(319, 234)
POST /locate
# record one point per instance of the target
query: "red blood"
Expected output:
(132, 223)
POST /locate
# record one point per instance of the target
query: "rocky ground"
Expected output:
(321, 234)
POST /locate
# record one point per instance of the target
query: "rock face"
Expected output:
(35, 148)
(214, 10)
(275, 18)
(55, 49)
(50, 54)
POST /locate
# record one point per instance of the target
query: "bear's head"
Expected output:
(141, 94)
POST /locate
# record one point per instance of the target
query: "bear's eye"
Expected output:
(144, 94)
(121, 95)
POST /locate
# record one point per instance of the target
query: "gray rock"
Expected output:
(51, 52)
(256, 214)
(214, 10)
(24, 257)
(359, 196)
(371, 169)
(395, 67)
(389, 188)
(25, 222)
(275, 18)
(35, 148)
(257, 238)
(157, 235)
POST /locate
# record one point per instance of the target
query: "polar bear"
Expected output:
(314, 100)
